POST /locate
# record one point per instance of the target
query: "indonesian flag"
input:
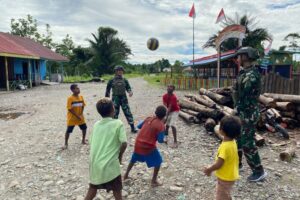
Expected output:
(221, 16)
(192, 12)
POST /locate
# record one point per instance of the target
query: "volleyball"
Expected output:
(152, 44)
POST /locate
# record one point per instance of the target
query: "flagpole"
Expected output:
(194, 45)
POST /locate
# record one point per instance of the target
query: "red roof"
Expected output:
(214, 56)
(12, 44)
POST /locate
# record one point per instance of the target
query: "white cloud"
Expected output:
(138, 20)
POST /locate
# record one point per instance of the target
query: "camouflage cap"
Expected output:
(251, 52)
(119, 67)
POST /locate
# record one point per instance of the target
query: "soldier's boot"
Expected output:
(133, 129)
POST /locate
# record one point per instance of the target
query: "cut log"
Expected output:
(285, 106)
(259, 140)
(225, 91)
(226, 110)
(201, 100)
(267, 101)
(188, 118)
(191, 112)
(288, 153)
(216, 97)
(276, 113)
(291, 123)
(284, 97)
(217, 132)
(204, 111)
(290, 114)
(197, 121)
(210, 124)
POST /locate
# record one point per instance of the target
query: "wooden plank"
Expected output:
(6, 74)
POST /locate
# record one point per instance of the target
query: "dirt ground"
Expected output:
(32, 166)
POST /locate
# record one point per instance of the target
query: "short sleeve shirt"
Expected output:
(76, 103)
(146, 140)
(230, 169)
(171, 100)
(105, 142)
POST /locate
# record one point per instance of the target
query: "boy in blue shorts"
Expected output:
(145, 150)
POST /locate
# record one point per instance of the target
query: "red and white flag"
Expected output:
(267, 50)
(192, 12)
(221, 16)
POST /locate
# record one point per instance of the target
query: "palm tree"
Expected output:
(107, 50)
(254, 36)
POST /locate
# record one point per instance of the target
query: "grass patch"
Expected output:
(154, 79)
(76, 79)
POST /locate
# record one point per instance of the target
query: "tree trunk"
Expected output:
(226, 110)
(284, 97)
(204, 111)
(225, 91)
(288, 153)
(188, 118)
(285, 106)
(210, 124)
(259, 140)
(267, 101)
(216, 97)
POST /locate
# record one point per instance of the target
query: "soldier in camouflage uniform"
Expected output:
(119, 86)
(245, 95)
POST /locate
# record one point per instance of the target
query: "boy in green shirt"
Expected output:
(107, 144)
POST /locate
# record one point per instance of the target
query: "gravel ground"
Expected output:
(32, 166)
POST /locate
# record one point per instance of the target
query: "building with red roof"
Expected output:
(23, 61)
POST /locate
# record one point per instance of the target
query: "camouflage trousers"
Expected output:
(122, 101)
(246, 144)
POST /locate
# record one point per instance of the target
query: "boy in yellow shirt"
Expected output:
(75, 106)
(227, 160)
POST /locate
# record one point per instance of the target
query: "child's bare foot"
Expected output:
(156, 184)
(64, 147)
(85, 142)
(175, 145)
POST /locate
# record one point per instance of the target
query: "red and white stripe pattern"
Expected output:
(221, 16)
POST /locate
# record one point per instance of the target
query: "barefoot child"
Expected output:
(227, 160)
(75, 106)
(152, 130)
(171, 102)
(108, 142)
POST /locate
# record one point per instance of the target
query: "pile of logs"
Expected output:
(210, 106)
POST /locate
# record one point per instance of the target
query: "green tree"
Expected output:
(293, 39)
(254, 36)
(177, 67)
(27, 27)
(66, 47)
(107, 50)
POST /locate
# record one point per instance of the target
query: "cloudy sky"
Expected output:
(138, 20)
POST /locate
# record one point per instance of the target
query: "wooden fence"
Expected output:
(188, 83)
(273, 83)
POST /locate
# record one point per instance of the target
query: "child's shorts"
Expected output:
(153, 159)
(114, 185)
(81, 126)
(172, 118)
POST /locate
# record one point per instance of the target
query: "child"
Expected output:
(171, 102)
(75, 106)
(227, 160)
(152, 130)
(108, 142)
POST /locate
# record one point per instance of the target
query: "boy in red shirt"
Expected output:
(145, 150)
(171, 102)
